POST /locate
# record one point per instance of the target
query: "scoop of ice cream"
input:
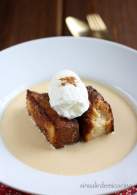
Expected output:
(68, 95)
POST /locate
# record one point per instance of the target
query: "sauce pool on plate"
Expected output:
(24, 140)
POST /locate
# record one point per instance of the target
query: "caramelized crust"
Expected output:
(98, 120)
(58, 130)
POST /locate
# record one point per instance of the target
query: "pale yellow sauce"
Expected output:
(24, 140)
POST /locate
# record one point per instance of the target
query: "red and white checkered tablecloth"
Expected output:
(5, 190)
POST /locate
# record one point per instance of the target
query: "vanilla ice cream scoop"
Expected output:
(68, 95)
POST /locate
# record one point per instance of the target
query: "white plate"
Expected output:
(34, 61)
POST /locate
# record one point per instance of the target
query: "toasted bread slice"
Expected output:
(58, 130)
(98, 120)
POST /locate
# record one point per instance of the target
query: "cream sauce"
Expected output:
(24, 140)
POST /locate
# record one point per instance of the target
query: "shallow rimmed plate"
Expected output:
(34, 61)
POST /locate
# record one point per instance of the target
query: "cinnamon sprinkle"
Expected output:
(68, 80)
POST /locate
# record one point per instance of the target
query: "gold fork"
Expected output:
(98, 27)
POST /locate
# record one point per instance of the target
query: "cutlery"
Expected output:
(95, 27)
(98, 27)
(77, 27)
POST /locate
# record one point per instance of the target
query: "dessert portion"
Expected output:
(68, 94)
(58, 130)
(70, 111)
(98, 119)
